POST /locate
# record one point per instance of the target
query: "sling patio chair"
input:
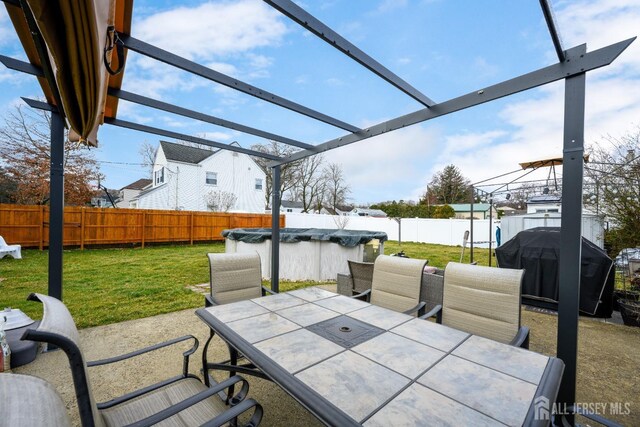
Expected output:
(396, 284)
(483, 301)
(234, 277)
(30, 401)
(361, 275)
(179, 401)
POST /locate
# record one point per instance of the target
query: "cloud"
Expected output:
(374, 166)
(389, 5)
(215, 136)
(213, 29)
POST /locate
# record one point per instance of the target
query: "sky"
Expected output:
(443, 48)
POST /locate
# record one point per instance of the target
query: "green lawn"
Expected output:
(102, 286)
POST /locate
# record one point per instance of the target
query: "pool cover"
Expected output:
(349, 238)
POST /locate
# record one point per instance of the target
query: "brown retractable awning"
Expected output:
(75, 35)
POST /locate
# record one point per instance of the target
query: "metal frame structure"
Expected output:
(571, 67)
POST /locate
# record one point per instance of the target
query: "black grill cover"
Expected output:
(537, 250)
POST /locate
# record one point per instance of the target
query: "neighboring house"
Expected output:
(103, 201)
(376, 213)
(545, 203)
(130, 192)
(509, 211)
(480, 210)
(288, 206)
(197, 179)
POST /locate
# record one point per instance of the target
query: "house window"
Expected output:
(258, 184)
(212, 178)
(159, 176)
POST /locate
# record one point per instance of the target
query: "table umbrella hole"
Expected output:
(345, 329)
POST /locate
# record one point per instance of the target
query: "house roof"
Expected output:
(545, 198)
(138, 185)
(343, 208)
(291, 204)
(466, 207)
(184, 153)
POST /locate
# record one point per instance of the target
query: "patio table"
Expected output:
(353, 363)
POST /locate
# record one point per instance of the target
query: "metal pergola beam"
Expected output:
(174, 109)
(553, 30)
(25, 67)
(589, 61)
(185, 137)
(157, 131)
(315, 26)
(161, 55)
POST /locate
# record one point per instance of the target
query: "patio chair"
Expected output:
(179, 401)
(431, 289)
(234, 277)
(484, 301)
(361, 275)
(396, 284)
(31, 401)
(14, 250)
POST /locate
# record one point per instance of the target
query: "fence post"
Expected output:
(191, 227)
(82, 218)
(41, 227)
(144, 227)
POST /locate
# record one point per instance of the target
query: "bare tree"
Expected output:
(612, 186)
(309, 187)
(147, 152)
(25, 149)
(337, 190)
(287, 171)
(220, 201)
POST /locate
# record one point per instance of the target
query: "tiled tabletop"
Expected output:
(405, 372)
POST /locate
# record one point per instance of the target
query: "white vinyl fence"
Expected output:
(422, 230)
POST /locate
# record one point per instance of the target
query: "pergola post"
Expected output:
(473, 196)
(56, 205)
(275, 228)
(571, 231)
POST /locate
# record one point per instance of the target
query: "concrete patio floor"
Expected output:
(607, 370)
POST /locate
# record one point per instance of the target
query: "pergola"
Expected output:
(70, 44)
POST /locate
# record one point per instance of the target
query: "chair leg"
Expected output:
(233, 358)
(205, 371)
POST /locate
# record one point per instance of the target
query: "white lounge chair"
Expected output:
(13, 250)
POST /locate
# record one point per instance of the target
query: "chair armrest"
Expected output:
(147, 350)
(209, 301)
(363, 296)
(266, 290)
(522, 338)
(435, 311)
(190, 401)
(419, 308)
(235, 411)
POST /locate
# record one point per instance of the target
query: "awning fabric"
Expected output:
(75, 33)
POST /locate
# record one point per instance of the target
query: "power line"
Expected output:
(124, 163)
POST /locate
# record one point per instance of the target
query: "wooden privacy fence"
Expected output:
(29, 225)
